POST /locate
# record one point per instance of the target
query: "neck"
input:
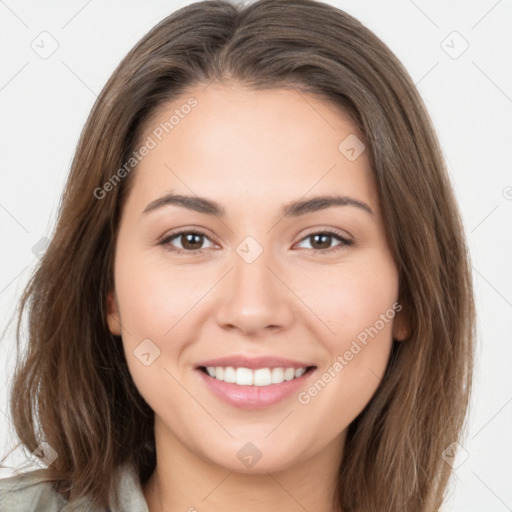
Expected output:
(183, 481)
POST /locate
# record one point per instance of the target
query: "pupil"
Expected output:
(327, 240)
(190, 243)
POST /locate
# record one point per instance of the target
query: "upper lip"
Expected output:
(240, 361)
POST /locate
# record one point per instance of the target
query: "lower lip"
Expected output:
(254, 397)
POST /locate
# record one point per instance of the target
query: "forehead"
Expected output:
(227, 141)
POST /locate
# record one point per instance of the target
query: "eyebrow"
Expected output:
(293, 209)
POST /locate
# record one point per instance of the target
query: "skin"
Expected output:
(252, 152)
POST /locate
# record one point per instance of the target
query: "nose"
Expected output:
(255, 299)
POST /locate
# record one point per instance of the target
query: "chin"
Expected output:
(254, 457)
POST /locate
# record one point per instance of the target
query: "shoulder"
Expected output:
(29, 492)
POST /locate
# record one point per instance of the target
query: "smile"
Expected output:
(257, 377)
(254, 388)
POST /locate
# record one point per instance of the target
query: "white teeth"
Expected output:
(244, 377)
(299, 372)
(289, 373)
(229, 374)
(260, 377)
(277, 375)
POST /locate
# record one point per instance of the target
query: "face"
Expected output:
(293, 309)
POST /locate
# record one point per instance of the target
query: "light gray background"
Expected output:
(44, 103)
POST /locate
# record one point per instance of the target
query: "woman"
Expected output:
(258, 293)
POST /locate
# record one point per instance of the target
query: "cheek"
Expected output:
(159, 303)
(352, 298)
(155, 298)
(154, 303)
(361, 312)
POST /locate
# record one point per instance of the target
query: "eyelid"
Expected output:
(164, 240)
(325, 229)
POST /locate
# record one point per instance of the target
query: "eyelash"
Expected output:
(166, 241)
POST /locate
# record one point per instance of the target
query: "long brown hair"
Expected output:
(72, 388)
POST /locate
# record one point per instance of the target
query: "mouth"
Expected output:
(254, 388)
(242, 376)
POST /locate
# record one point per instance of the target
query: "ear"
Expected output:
(113, 318)
(401, 326)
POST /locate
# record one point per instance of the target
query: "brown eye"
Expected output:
(188, 241)
(191, 241)
(322, 241)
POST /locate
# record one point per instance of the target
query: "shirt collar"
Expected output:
(126, 494)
